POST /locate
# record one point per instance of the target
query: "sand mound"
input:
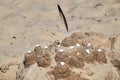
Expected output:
(60, 60)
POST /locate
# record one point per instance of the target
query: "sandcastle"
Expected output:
(60, 58)
(67, 55)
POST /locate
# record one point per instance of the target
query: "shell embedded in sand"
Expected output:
(99, 50)
(88, 44)
(78, 45)
(87, 51)
(61, 50)
(29, 51)
(46, 47)
(62, 63)
(37, 45)
(71, 55)
(71, 47)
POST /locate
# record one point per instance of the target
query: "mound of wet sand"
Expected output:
(60, 61)
(25, 23)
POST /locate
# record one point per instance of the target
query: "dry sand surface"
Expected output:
(26, 23)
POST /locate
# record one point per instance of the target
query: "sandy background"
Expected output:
(25, 23)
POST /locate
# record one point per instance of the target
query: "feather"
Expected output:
(63, 16)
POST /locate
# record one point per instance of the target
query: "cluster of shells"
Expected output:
(72, 52)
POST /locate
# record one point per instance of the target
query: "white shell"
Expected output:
(62, 63)
(88, 44)
(37, 45)
(61, 50)
(71, 47)
(87, 50)
(78, 45)
(58, 45)
(99, 50)
(28, 51)
(46, 47)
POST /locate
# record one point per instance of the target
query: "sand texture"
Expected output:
(26, 23)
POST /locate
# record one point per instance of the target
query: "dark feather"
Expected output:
(63, 16)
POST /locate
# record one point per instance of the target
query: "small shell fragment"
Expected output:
(37, 45)
(58, 45)
(71, 47)
(28, 51)
(99, 50)
(46, 47)
(88, 51)
(61, 50)
(88, 44)
(62, 63)
(78, 45)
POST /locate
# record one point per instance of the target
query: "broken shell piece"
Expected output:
(58, 45)
(37, 45)
(88, 44)
(78, 45)
(99, 50)
(46, 47)
(28, 51)
(61, 50)
(62, 63)
(71, 47)
(87, 50)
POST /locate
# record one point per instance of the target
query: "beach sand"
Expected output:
(26, 23)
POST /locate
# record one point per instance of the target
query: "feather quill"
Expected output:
(63, 16)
